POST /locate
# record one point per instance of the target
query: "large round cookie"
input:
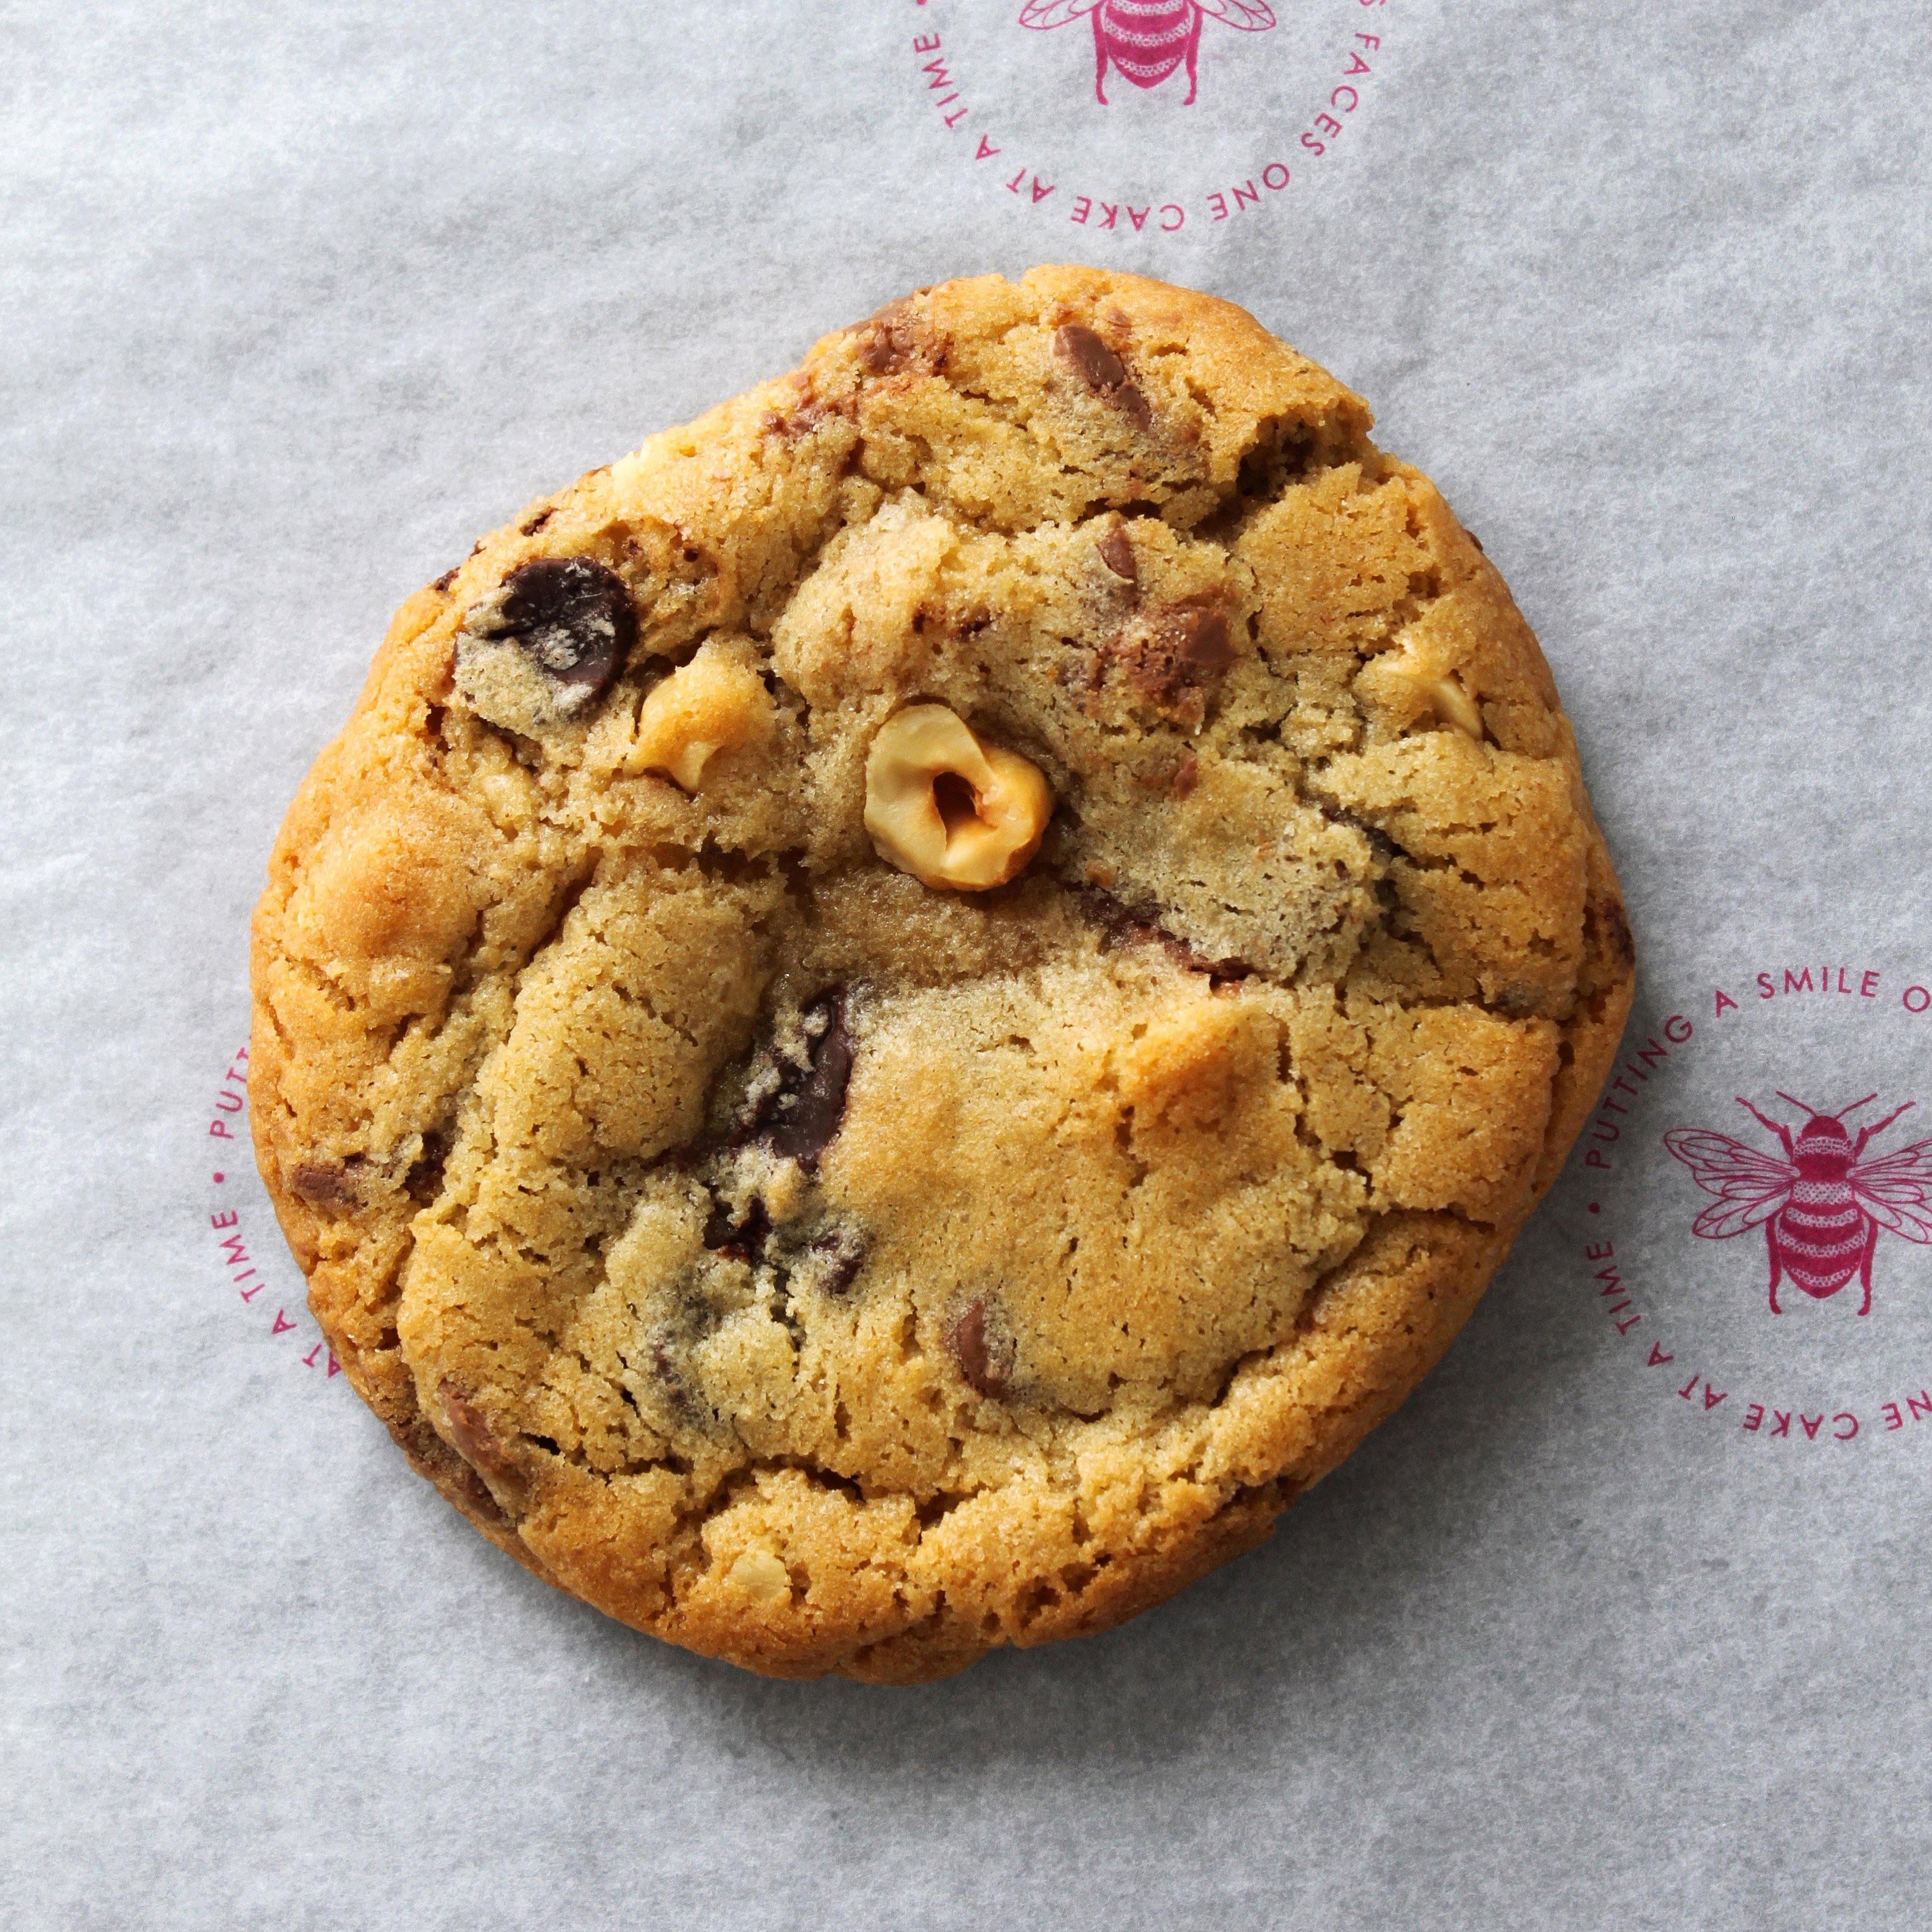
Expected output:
(897, 1018)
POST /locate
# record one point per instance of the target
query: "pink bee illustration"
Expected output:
(1147, 40)
(1822, 1207)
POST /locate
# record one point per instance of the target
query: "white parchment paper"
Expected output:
(298, 298)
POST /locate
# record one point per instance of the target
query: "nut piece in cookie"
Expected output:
(712, 704)
(945, 808)
(546, 645)
(1414, 684)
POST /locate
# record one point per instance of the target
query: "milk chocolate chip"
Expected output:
(474, 1442)
(1102, 370)
(986, 1359)
(898, 338)
(1116, 553)
(1198, 639)
(327, 1184)
(1170, 657)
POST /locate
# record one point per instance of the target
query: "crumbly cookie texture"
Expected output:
(898, 1017)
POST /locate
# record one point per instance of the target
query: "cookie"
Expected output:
(897, 1018)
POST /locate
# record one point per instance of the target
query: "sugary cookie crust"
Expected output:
(832, 1271)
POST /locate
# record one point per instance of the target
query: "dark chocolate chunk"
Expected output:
(571, 616)
(985, 1359)
(800, 1119)
(1123, 924)
(1102, 370)
(743, 1240)
(687, 1410)
(835, 1260)
(1379, 842)
(423, 1181)
(1116, 553)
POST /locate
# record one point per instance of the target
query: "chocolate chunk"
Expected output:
(985, 1359)
(879, 355)
(1102, 370)
(443, 582)
(475, 1442)
(572, 617)
(1120, 924)
(800, 1119)
(476, 1496)
(1170, 658)
(329, 1184)
(833, 1261)
(1116, 553)
(1123, 924)
(1201, 639)
(423, 1181)
(897, 338)
(791, 424)
(1099, 367)
(1379, 842)
(536, 523)
(743, 1240)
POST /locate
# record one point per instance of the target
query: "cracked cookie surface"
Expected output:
(831, 1268)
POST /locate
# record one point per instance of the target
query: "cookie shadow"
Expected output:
(1286, 1639)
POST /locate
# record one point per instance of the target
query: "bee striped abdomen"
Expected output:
(1820, 1236)
(1147, 39)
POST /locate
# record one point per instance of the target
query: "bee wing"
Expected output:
(1251, 17)
(1045, 13)
(1750, 1186)
(1897, 1191)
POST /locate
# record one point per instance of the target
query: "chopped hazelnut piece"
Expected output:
(761, 1576)
(712, 704)
(1454, 706)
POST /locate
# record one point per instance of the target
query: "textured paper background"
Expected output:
(297, 300)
